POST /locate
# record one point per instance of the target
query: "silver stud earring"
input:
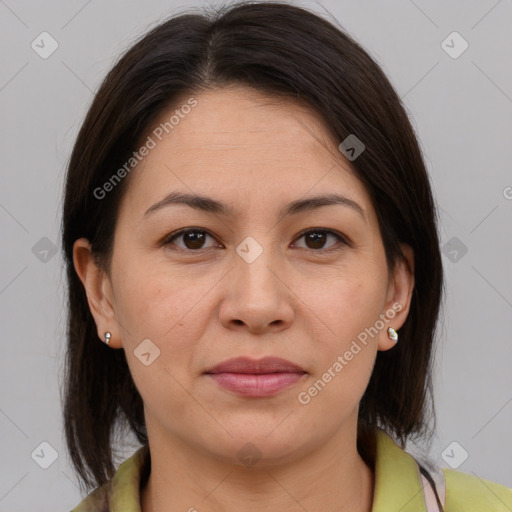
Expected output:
(393, 335)
(107, 338)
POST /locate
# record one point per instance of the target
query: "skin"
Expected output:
(297, 300)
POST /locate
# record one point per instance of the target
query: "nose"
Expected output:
(257, 297)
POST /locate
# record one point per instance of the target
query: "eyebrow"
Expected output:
(213, 206)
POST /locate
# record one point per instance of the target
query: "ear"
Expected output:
(99, 291)
(398, 299)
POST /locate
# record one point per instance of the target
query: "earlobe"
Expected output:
(98, 290)
(398, 299)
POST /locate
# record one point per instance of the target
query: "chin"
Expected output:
(262, 445)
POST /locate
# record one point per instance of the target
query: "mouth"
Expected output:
(256, 378)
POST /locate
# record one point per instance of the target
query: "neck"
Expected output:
(334, 477)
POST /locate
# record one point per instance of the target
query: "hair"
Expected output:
(283, 51)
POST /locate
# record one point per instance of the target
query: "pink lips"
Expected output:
(256, 378)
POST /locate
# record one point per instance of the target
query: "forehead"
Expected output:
(239, 144)
(243, 121)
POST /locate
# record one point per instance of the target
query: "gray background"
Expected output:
(462, 110)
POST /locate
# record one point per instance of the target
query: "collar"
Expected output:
(126, 483)
(398, 484)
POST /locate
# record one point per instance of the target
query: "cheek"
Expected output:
(346, 305)
(345, 309)
(156, 301)
(169, 312)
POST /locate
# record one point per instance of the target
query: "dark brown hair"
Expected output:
(278, 49)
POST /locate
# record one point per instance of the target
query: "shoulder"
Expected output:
(467, 492)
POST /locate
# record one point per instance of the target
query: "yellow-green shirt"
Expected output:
(399, 486)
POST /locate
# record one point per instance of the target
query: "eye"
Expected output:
(192, 238)
(316, 239)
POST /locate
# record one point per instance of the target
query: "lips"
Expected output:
(256, 378)
(256, 367)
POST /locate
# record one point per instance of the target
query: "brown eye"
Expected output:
(317, 238)
(192, 239)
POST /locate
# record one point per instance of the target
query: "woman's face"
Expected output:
(309, 286)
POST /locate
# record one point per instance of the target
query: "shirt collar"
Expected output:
(397, 478)
(126, 483)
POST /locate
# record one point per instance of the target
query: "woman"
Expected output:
(249, 228)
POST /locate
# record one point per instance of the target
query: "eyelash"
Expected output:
(169, 239)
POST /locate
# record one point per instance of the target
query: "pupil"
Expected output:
(317, 237)
(195, 238)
